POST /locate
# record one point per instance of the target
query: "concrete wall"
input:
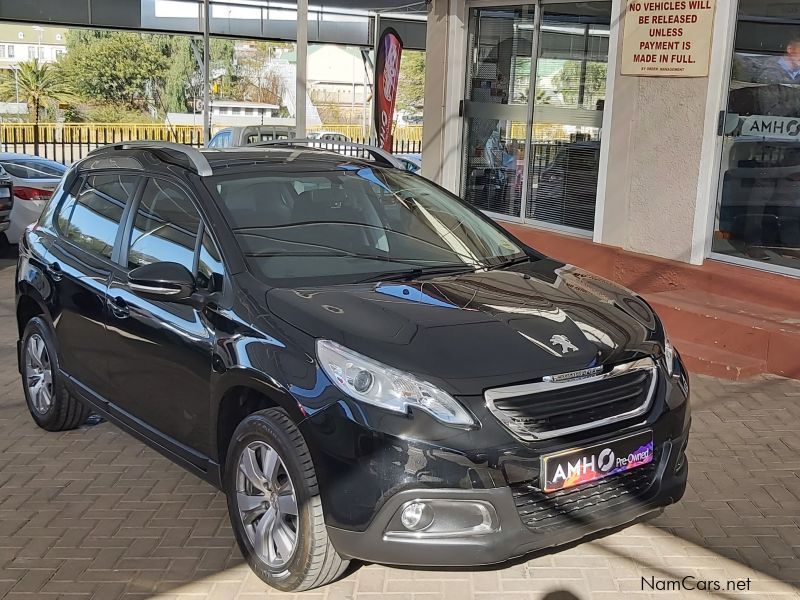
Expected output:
(660, 190)
(656, 193)
(654, 151)
(445, 63)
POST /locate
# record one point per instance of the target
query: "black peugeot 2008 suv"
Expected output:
(366, 366)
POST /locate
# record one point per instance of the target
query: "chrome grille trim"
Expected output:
(527, 389)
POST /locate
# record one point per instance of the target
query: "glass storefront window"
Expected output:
(571, 76)
(551, 103)
(496, 107)
(758, 215)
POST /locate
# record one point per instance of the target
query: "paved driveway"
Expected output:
(93, 513)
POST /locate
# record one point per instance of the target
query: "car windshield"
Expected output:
(33, 169)
(353, 225)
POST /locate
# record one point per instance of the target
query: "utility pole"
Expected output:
(301, 69)
(206, 72)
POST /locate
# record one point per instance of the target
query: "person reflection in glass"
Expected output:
(771, 225)
(781, 69)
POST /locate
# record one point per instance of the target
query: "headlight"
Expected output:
(669, 355)
(369, 381)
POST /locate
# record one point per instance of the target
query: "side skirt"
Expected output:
(196, 463)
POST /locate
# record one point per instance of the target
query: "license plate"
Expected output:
(574, 467)
(5, 192)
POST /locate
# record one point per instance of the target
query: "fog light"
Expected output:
(416, 516)
(442, 518)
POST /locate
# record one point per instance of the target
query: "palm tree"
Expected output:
(38, 84)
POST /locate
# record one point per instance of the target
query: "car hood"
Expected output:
(468, 333)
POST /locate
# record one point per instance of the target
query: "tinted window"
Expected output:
(165, 228)
(91, 219)
(343, 226)
(34, 169)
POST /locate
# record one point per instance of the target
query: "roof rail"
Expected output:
(378, 154)
(195, 157)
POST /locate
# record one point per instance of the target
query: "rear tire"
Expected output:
(52, 407)
(268, 476)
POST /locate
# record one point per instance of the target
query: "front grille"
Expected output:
(550, 409)
(542, 512)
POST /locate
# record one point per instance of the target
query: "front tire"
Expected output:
(50, 404)
(274, 504)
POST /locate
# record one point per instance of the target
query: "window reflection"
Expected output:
(758, 217)
(166, 227)
(347, 225)
(498, 89)
(91, 219)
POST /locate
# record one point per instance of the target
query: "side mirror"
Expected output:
(165, 281)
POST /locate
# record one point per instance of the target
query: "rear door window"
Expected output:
(90, 219)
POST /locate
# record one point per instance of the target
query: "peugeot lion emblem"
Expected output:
(563, 341)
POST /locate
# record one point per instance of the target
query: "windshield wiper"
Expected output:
(510, 263)
(419, 272)
(334, 254)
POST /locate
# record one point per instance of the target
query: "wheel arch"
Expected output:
(241, 394)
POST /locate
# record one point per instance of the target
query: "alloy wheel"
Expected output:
(267, 504)
(38, 374)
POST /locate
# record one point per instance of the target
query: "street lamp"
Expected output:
(40, 31)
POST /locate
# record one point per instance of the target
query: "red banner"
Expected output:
(387, 74)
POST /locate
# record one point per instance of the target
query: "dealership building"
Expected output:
(654, 142)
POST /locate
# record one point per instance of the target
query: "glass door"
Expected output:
(569, 98)
(496, 107)
(532, 127)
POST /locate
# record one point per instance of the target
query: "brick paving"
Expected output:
(94, 514)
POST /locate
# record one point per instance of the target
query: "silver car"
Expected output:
(34, 180)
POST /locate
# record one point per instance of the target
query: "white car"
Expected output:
(34, 180)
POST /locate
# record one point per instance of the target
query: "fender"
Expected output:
(32, 286)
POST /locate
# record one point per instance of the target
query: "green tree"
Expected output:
(117, 67)
(411, 88)
(567, 83)
(38, 84)
(183, 81)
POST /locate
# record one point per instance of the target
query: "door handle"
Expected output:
(118, 307)
(54, 270)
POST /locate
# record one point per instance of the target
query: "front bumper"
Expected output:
(370, 463)
(512, 538)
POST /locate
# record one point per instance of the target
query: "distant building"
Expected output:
(230, 113)
(337, 81)
(256, 111)
(20, 43)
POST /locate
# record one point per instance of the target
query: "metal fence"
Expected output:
(66, 143)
